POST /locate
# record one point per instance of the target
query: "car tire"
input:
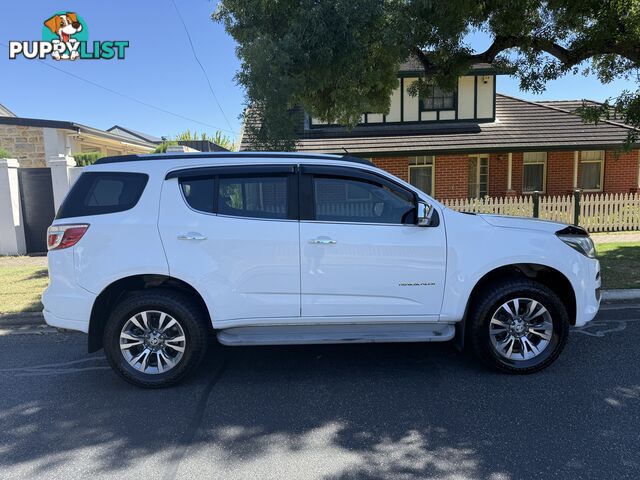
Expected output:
(168, 325)
(508, 326)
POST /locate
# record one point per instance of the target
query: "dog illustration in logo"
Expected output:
(65, 26)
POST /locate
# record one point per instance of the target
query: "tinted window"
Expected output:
(199, 193)
(259, 196)
(356, 200)
(97, 193)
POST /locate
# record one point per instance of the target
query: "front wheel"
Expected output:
(518, 326)
(155, 338)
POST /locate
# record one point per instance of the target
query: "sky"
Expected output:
(160, 69)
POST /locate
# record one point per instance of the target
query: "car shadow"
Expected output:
(338, 411)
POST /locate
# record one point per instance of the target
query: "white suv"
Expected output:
(151, 254)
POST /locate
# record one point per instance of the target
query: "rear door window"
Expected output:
(99, 193)
(257, 197)
(199, 192)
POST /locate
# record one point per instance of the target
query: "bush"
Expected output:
(162, 148)
(5, 154)
(89, 158)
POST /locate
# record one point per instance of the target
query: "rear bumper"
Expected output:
(67, 307)
(69, 324)
(66, 304)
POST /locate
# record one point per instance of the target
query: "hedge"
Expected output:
(89, 158)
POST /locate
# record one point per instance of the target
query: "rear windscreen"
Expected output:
(97, 193)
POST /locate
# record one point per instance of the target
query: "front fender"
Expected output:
(476, 248)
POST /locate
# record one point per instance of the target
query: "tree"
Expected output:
(337, 59)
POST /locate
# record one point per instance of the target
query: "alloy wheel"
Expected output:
(521, 329)
(152, 342)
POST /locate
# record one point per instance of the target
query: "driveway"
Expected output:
(397, 411)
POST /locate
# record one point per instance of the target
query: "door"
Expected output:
(36, 201)
(233, 234)
(362, 253)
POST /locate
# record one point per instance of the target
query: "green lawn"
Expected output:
(22, 280)
(620, 264)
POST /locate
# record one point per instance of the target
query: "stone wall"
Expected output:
(24, 143)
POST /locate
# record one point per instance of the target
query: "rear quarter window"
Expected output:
(98, 193)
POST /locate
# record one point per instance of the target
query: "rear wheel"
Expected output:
(155, 338)
(518, 326)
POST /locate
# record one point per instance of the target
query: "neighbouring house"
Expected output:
(197, 145)
(34, 141)
(473, 142)
(5, 112)
(134, 134)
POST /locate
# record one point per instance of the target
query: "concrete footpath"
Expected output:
(616, 237)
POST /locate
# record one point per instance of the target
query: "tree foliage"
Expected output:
(337, 59)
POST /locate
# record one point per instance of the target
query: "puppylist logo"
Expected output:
(65, 36)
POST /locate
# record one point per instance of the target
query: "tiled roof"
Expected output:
(520, 125)
(569, 105)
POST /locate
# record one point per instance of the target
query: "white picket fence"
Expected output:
(598, 212)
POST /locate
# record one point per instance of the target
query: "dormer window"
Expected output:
(437, 99)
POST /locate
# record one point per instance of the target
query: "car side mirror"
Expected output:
(424, 214)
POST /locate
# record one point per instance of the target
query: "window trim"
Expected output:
(454, 107)
(289, 173)
(479, 156)
(307, 191)
(432, 166)
(544, 173)
(229, 170)
(601, 161)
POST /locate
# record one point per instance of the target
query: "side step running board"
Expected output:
(319, 334)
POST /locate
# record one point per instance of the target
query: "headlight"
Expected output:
(582, 244)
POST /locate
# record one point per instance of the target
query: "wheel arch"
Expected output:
(118, 289)
(548, 276)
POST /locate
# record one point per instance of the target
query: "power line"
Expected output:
(195, 55)
(128, 97)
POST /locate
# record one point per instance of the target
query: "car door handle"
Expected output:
(191, 236)
(322, 241)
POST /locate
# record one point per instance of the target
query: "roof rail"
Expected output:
(169, 156)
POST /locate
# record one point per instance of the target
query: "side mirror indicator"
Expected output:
(424, 214)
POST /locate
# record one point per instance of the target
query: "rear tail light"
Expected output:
(64, 236)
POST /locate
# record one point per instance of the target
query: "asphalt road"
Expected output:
(346, 412)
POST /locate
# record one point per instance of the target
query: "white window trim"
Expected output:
(544, 173)
(601, 162)
(480, 157)
(433, 176)
(432, 166)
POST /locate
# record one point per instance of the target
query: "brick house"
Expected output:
(474, 142)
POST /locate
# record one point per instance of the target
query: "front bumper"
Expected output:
(588, 303)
